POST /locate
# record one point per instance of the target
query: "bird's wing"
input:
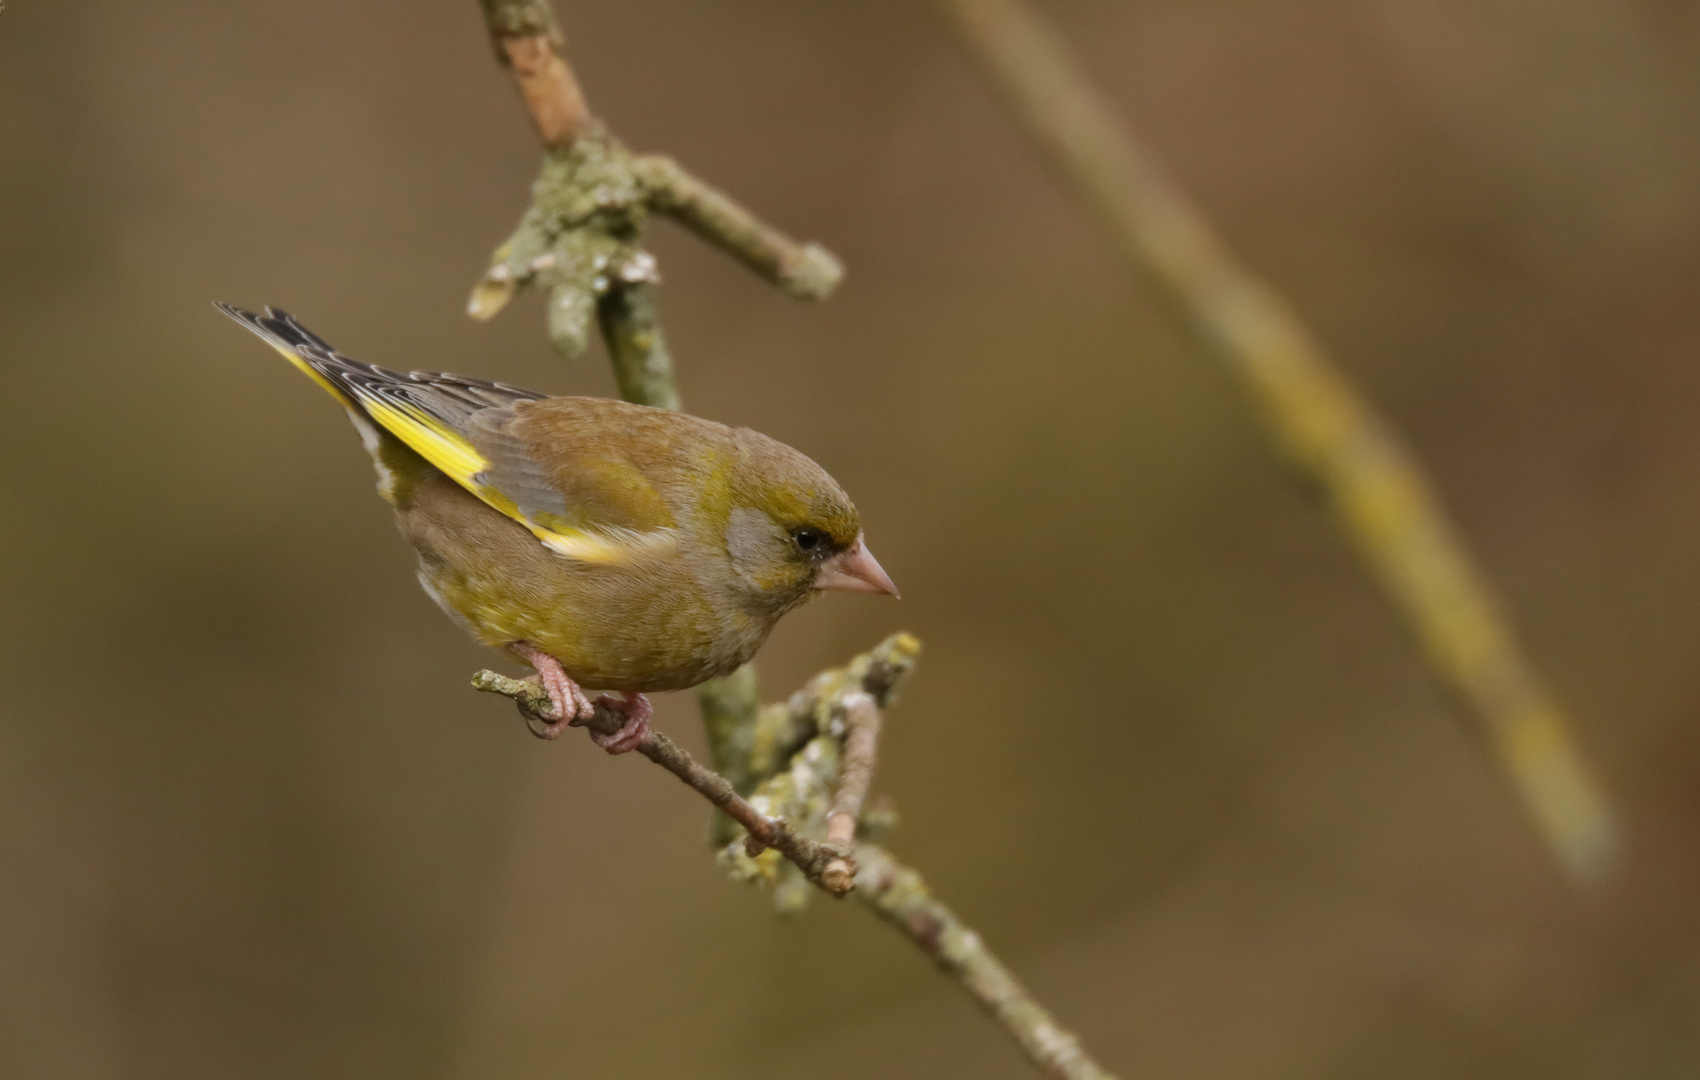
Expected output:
(460, 425)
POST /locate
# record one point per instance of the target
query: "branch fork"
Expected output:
(580, 240)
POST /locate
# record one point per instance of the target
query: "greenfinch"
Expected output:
(611, 546)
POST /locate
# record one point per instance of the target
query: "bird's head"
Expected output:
(792, 531)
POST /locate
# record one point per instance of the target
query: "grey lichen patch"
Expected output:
(521, 18)
(793, 756)
(780, 730)
(579, 240)
(643, 368)
(801, 794)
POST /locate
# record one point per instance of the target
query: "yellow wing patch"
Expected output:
(446, 448)
(433, 440)
(454, 454)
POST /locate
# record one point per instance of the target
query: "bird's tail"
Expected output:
(400, 468)
(411, 422)
(281, 331)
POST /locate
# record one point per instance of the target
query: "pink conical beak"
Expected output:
(855, 570)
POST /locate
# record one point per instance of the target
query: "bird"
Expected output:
(613, 547)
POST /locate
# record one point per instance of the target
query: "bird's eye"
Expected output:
(806, 539)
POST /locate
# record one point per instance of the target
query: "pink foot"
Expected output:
(637, 710)
(567, 701)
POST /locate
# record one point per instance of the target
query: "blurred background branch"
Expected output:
(807, 763)
(1321, 424)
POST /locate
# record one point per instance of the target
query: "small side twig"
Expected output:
(1328, 431)
(855, 775)
(812, 857)
(861, 747)
(806, 271)
(900, 896)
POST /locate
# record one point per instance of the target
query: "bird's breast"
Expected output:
(665, 622)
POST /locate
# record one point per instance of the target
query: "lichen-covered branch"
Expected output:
(643, 368)
(812, 857)
(782, 729)
(581, 239)
(730, 706)
(901, 897)
(805, 764)
(750, 744)
(1326, 428)
(827, 734)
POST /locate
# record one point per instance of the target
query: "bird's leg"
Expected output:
(569, 702)
(637, 710)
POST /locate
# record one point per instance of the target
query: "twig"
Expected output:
(799, 791)
(900, 896)
(751, 745)
(812, 857)
(528, 43)
(861, 748)
(809, 271)
(1380, 495)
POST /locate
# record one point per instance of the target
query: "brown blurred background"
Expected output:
(1167, 749)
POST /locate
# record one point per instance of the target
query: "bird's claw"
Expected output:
(541, 727)
(569, 707)
(637, 710)
(568, 704)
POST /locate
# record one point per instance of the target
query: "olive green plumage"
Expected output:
(700, 607)
(643, 549)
